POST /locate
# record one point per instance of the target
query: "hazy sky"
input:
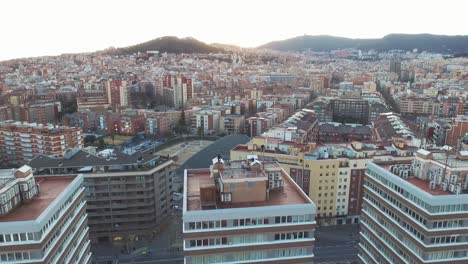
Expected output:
(49, 27)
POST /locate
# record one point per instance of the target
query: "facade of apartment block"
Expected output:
(246, 212)
(42, 219)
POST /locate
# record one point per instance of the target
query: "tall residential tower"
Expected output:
(246, 212)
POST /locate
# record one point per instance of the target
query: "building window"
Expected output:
(250, 184)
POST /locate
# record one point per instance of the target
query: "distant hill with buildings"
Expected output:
(168, 44)
(407, 42)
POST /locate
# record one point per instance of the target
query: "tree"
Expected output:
(181, 127)
(89, 139)
(113, 138)
(101, 143)
(200, 131)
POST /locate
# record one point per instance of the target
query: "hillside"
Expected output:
(169, 45)
(408, 42)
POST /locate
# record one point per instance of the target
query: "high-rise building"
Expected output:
(20, 142)
(246, 212)
(117, 94)
(177, 90)
(128, 193)
(42, 219)
(416, 212)
(395, 66)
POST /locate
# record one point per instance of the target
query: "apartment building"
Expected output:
(417, 105)
(350, 111)
(255, 126)
(246, 212)
(20, 142)
(302, 127)
(177, 90)
(117, 94)
(232, 124)
(334, 132)
(416, 212)
(157, 126)
(456, 131)
(331, 175)
(44, 113)
(42, 219)
(128, 192)
(208, 121)
(98, 103)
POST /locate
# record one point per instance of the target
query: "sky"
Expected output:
(52, 27)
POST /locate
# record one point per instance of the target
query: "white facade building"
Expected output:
(47, 223)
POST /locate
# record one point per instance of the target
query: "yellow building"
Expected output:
(323, 185)
(312, 168)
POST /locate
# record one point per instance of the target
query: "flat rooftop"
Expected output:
(49, 189)
(421, 184)
(424, 185)
(6, 176)
(288, 195)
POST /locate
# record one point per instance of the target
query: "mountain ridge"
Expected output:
(394, 41)
(169, 44)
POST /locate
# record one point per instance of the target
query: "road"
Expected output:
(161, 261)
(161, 249)
(336, 244)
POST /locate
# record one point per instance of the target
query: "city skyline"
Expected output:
(89, 26)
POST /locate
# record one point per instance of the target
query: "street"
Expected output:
(166, 247)
(336, 244)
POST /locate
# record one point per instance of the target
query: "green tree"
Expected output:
(113, 138)
(200, 131)
(181, 127)
(89, 139)
(101, 143)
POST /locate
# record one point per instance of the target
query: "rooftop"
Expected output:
(422, 184)
(288, 195)
(50, 188)
(83, 159)
(6, 176)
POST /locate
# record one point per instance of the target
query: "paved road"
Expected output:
(162, 248)
(161, 261)
(336, 244)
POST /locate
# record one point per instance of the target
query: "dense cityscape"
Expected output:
(223, 154)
